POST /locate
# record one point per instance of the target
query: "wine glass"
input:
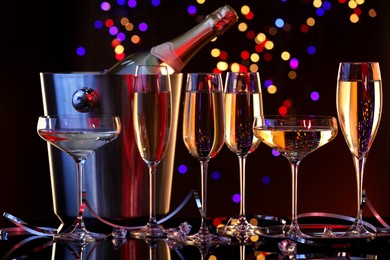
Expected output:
(243, 101)
(203, 135)
(79, 136)
(359, 110)
(152, 125)
(295, 136)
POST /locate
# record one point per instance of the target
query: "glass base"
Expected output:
(358, 231)
(295, 232)
(80, 235)
(149, 231)
(205, 238)
(241, 229)
(282, 231)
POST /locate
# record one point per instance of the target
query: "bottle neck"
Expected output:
(179, 51)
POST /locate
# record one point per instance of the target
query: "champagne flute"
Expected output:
(203, 135)
(79, 136)
(359, 110)
(295, 136)
(243, 102)
(152, 124)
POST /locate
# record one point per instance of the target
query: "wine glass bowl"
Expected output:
(243, 102)
(295, 136)
(79, 136)
(359, 109)
(152, 116)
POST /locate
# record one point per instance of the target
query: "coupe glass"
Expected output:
(79, 136)
(152, 125)
(203, 135)
(295, 136)
(359, 110)
(243, 102)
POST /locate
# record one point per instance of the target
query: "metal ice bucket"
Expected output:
(116, 178)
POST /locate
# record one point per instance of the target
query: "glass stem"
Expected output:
(152, 193)
(81, 206)
(359, 169)
(203, 182)
(242, 161)
(294, 228)
(242, 252)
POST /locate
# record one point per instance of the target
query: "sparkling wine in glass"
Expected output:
(203, 135)
(359, 110)
(243, 102)
(295, 136)
(152, 125)
(79, 136)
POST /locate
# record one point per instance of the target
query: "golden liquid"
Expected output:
(294, 143)
(152, 122)
(203, 124)
(359, 109)
(240, 111)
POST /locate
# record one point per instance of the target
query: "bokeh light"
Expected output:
(315, 96)
(143, 27)
(282, 40)
(105, 6)
(266, 180)
(215, 175)
(81, 51)
(191, 10)
(275, 152)
(182, 169)
(132, 3)
(236, 198)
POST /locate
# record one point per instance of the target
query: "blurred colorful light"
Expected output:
(216, 175)
(182, 169)
(81, 51)
(266, 180)
(315, 95)
(236, 198)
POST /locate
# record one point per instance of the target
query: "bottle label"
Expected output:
(166, 53)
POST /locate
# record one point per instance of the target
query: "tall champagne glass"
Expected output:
(359, 110)
(243, 102)
(152, 125)
(79, 136)
(203, 134)
(295, 137)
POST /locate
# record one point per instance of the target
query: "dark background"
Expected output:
(43, 35)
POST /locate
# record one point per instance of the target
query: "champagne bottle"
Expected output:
(179, 51)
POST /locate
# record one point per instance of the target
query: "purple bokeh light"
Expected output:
(182, 169)
(236, 198)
